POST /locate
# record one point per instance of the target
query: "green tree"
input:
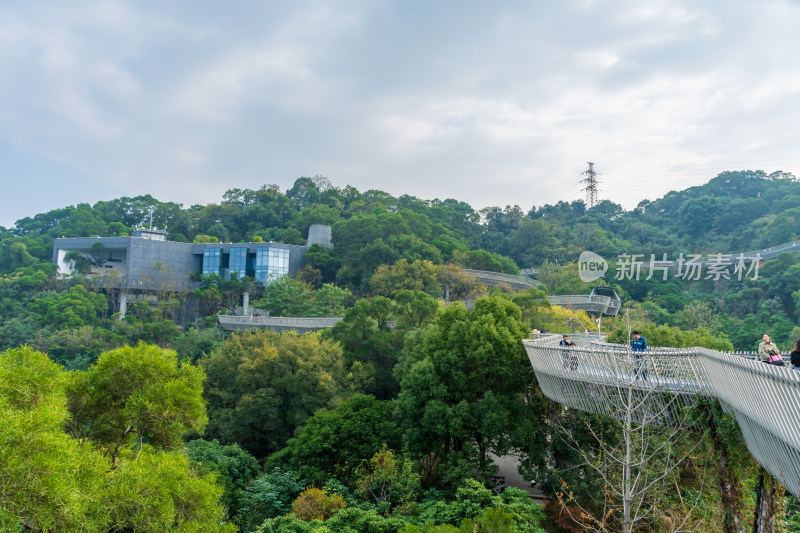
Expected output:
(414, 309)
(672, 337)
(234, 468)
(417, 276)
(366, 337)
(262, 386)
(292, 297)
(388, 480)
(268, 496)
(335, 442)
(159, 492)
(52, 482)
(483, 260)
(283, 297)
(137, 394)
(74, 308)
(304, 192)
(48, 480)
(196, 343)
(472, 501)
(467, 387)
(326, 261)
(20, 257)
(317, 214)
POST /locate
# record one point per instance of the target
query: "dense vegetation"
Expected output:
(388, 421)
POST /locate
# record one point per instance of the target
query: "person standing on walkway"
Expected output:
(638, 346)
(570, 359)
(767, 349)
(794, 357)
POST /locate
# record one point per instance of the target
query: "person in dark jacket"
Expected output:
(794, 357)
(570, 358)
(638, 346)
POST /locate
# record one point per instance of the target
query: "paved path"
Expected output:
(508, 467)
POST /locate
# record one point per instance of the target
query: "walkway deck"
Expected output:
(750, 389)
(300, 325)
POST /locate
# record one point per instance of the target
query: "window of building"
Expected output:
(211, 259)
(262, 264)
(237, 263)
(278, 263)
(271, 264)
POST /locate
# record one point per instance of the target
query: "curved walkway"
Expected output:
(301, 325)
(765, 399)
(496, 278)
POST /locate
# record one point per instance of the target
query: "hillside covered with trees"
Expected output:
(388, 421)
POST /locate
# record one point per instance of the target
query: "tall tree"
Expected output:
(466, 388)
(262, 386)
(134, 395)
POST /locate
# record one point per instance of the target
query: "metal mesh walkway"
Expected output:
(765, 399)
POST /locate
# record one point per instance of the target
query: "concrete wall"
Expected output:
(319, 234)
(116, 247)
(161, 265)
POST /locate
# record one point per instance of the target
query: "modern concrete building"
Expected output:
(147, 261)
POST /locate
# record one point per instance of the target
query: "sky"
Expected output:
(491, 103)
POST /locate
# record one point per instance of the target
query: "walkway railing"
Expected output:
(493, 278)
(243, 323)
(587, 302)
(765, 399)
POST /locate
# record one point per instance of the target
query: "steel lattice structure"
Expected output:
(765, 399)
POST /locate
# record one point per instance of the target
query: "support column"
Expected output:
(123, 303)
(246, 304)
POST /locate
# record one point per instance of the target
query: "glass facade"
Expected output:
(237, 265)
(267, 264)
(261, 266)
(271, 264)
(278, 263)
(211, 260)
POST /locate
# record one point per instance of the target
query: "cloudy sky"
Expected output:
(492, 103)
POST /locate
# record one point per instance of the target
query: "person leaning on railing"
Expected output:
(794, 357)
(638, 346)
(570, 358)
(768, 352)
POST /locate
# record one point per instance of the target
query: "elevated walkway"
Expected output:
(496, 278)
(765, 399)
(602, 301)
(598, 302)
(773, 251)
(300, 325)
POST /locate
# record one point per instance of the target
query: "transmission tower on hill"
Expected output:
(591, 186)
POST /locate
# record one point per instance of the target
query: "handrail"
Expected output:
(749, 388)
(499, 276)
(253, 322)
(574, 299)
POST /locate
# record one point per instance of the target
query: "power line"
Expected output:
(707, 165)
(556, 194)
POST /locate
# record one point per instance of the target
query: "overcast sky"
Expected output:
(492, 103)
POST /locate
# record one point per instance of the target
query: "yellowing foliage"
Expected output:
(317, 504)
(557, 319)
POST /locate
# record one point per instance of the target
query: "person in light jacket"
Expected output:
(766, 348)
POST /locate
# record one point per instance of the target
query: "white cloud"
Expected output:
(491, 104)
